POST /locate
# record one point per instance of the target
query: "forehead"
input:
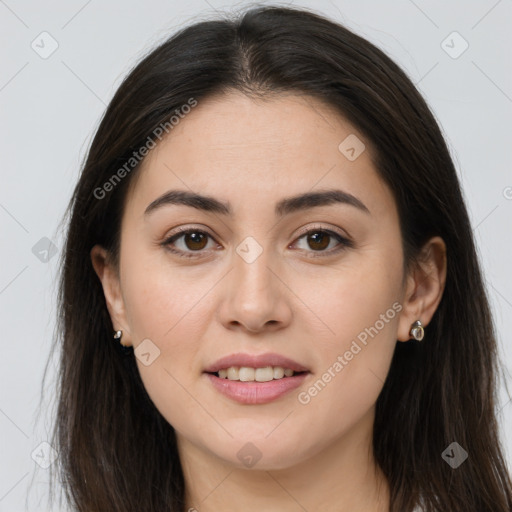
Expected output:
(244, 150)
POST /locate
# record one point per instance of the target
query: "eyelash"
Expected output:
(343, 242)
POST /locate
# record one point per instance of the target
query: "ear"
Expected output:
(424, 287)
(112, 289)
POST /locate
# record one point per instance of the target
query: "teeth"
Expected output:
(247, 374)
(264, 374)
(278, 372)
(232, 373)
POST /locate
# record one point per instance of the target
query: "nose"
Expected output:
(255, 297)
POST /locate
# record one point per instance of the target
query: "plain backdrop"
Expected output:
(62, 62)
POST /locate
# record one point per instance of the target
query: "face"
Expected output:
(316, 284)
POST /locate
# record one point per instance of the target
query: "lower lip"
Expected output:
(253, 393)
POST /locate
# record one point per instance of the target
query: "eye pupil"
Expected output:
(321, 239)
(195, 238)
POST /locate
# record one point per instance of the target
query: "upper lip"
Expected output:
(255, 361)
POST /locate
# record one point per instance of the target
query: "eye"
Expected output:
(191, 242)
(321, 239)
(187, 242)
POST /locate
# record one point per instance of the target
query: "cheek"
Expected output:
(171, 308)
(175, 319)
(160, 296)
(361, 309)
(354, 298)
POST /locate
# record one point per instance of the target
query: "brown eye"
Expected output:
(195, 241)
(187, 242)
(191, 243)
(318, 240)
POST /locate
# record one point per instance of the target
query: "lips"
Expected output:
(255, 361)
(289, 374)
(255, 393)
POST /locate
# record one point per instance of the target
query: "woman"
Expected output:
(271, 298)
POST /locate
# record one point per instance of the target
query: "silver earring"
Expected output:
(417, 331)
(124, 349)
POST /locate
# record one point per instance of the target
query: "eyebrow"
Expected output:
(284, 207)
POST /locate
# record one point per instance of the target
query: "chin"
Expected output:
(253, 452)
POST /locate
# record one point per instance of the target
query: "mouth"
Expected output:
(255, 386)
(250, 374)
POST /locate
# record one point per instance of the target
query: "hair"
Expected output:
(117, 452)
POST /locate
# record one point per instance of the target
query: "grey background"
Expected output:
(51, 106)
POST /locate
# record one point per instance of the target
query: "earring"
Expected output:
(417, 331)
(126, 350)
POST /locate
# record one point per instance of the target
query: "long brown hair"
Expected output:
(117, 452)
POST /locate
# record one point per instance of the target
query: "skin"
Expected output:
(253, 153)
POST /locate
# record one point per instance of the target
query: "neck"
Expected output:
(341, 478)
